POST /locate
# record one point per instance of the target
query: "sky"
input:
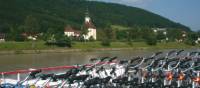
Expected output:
(186, 12)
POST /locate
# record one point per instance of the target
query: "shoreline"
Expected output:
(8, 52)
(25, 47)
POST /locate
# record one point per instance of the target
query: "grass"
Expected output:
(174, 45)
(23, 45)
(39, 45)
(119, 27)
(135, 45)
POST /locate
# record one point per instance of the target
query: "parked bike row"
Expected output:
(174, 69)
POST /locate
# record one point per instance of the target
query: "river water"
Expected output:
(26, 61)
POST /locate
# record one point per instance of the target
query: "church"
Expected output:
(70, 32)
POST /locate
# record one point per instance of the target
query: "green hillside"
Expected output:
(58, 13)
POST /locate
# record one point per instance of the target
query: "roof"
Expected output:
(90, 25)
(25, 34)
(77, 32)
(70, 29)
(2, 35)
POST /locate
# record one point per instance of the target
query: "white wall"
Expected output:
(91, 33)
(69, 34)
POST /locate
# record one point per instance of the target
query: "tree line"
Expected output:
(57, 13)
(106, 34)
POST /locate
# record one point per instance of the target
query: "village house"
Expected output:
(159, 29)
(183, 36)
(69, 31)
(91, 29)
(30, 36)
(2, 37)
(198, 40)
(162, 30)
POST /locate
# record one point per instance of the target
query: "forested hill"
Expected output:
(58, 13)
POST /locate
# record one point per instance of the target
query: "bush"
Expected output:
(105, 42)
(82, 39)
(191, 38)
(19, 38)
(64, 42)
(151, 40)
(91, 39)
(61, 42)
(130, 43)
(190, 42)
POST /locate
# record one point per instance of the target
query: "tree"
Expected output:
(48, 35)
(108, 35)
(114, 35)
(59, 39)
(151, 40)
(100, 34)
(191, 38)
(63, 41)
(4, 28)
(198, 33)
(121, 34)
(160, 36)
(174, 34)
(15, 34)
(105, 42)
(84, 30)
(129, 37)
(91, 39)
(135, 33)
(149, 36)
(31, 25)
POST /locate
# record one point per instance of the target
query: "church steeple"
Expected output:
(87, 17)
(90, 27)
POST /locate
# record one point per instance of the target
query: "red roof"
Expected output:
(25, 34)
(70, 29)
(77, 32)
(2, 36)
(90, 25)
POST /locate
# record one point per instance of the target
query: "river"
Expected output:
(25, 61)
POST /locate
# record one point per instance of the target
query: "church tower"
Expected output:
(87, 17)
(90, 27)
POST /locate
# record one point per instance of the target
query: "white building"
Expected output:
(34, 38)
(91, 29)
(69, 31)
(159, 29)
(198, 40)
(31, 36)
(2, 37)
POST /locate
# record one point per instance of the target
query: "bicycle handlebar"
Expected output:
(33, 73)
(158, 53)
(192, 53)
(45, 76)
(135, 59)
(179, 52)
(112, 58)
(170, 52)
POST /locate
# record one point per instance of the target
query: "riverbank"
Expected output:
(40, 47)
